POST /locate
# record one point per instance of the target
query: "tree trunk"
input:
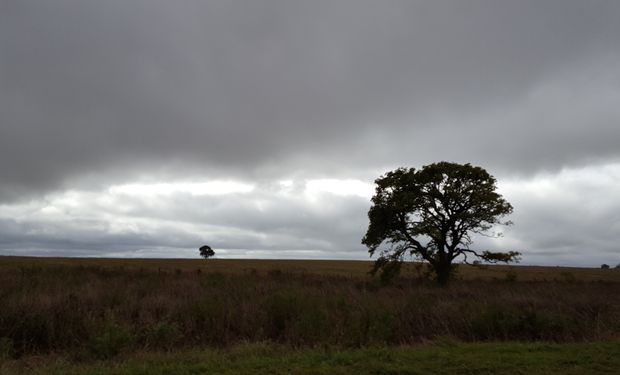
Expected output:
(443, 271)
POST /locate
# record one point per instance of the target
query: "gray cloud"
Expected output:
(238, 88)
(265, 220)
(570, 218)
(96, 93)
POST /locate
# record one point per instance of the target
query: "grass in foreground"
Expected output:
(101, 311)
(445, 357)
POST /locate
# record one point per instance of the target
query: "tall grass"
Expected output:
(101, 311)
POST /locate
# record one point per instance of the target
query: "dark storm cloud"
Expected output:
(98, 89)
(96, 94)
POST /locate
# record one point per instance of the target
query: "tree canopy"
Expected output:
(206, 251)
(431, 214)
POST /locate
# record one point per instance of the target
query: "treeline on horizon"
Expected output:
(99, 312)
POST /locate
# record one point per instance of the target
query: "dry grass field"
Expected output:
(88, 310)
(227, 266)
(343, 268)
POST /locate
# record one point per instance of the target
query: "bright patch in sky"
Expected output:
(286, 186)
(339, 187)
(574, 184)
(193, 188)
(135, 219)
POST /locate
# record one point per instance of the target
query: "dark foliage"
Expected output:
(430, 214)
(206, 252)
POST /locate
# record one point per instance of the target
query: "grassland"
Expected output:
(431, 359)
(340, 268)
(70, 314)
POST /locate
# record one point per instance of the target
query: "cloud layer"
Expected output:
(96, 96)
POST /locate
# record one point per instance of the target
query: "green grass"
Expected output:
(445, 357)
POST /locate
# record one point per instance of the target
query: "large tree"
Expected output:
(431, 214)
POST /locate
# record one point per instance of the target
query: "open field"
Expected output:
(344, 268)
(82, 311)
(432, 359)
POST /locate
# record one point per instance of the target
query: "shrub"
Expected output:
(162, 336)
(511, 276)
(6, 348)
(112, 340)
(282, 310)
(569, 277)
(512, 324)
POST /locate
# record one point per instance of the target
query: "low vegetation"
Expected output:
(100, 309)
(441, 357)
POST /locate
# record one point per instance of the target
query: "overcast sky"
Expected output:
(148, 128)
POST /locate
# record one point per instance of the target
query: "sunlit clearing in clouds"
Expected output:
(193, 188)
(574, 184)
(339, 187)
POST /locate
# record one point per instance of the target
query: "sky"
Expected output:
(147, 128)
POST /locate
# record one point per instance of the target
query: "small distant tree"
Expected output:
(430, 215)
(206, 251)
(605, 266)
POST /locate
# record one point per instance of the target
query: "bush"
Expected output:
(6, 348)
(511, 276)
(569, 277)
(162, 336)
(282, 310)
(510, 324)
(112, 340)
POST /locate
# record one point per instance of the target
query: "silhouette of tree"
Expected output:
(206, 252)
(430, 214)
